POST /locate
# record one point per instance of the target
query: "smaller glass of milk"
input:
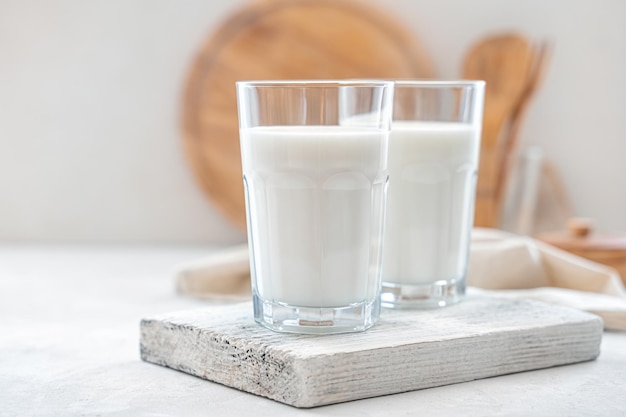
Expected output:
(433, 159)
(314, 157)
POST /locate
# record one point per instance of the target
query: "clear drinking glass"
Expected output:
(433, 159)
(314, 156)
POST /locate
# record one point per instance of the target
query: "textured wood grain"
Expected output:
(282, 39)
(408, 350)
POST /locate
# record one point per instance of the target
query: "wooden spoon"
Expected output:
(535, 77)
(504, 62)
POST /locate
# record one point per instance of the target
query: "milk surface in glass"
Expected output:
(432, 175)
(315, 196)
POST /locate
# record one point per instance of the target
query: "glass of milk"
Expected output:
(433, 159)
(314, 157)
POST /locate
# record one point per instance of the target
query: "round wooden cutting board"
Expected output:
(282, 39)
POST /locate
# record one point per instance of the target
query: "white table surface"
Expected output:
(69, 331)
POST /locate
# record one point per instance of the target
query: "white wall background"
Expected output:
(90, 148)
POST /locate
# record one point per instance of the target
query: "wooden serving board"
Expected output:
(484, 336)
(282, 39)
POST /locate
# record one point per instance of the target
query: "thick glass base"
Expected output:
(308, 320)
(415, 296)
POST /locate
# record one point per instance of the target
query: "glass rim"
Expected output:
(439, 83)
(316, 83)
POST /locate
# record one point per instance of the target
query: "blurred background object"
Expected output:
(581, 240)
(513, 68)
(504, 62)
(91, 93)
(282, 40)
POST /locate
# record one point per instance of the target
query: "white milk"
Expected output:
(315, 197)
(432, 175)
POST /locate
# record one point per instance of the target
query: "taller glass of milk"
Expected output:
(314, 156)
(433, 159)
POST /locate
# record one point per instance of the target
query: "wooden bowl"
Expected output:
(580, 240)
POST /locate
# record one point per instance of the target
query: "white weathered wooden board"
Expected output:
(481, 337)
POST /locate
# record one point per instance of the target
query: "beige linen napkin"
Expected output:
(517, 266)
(223, 275)
(500, 262)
